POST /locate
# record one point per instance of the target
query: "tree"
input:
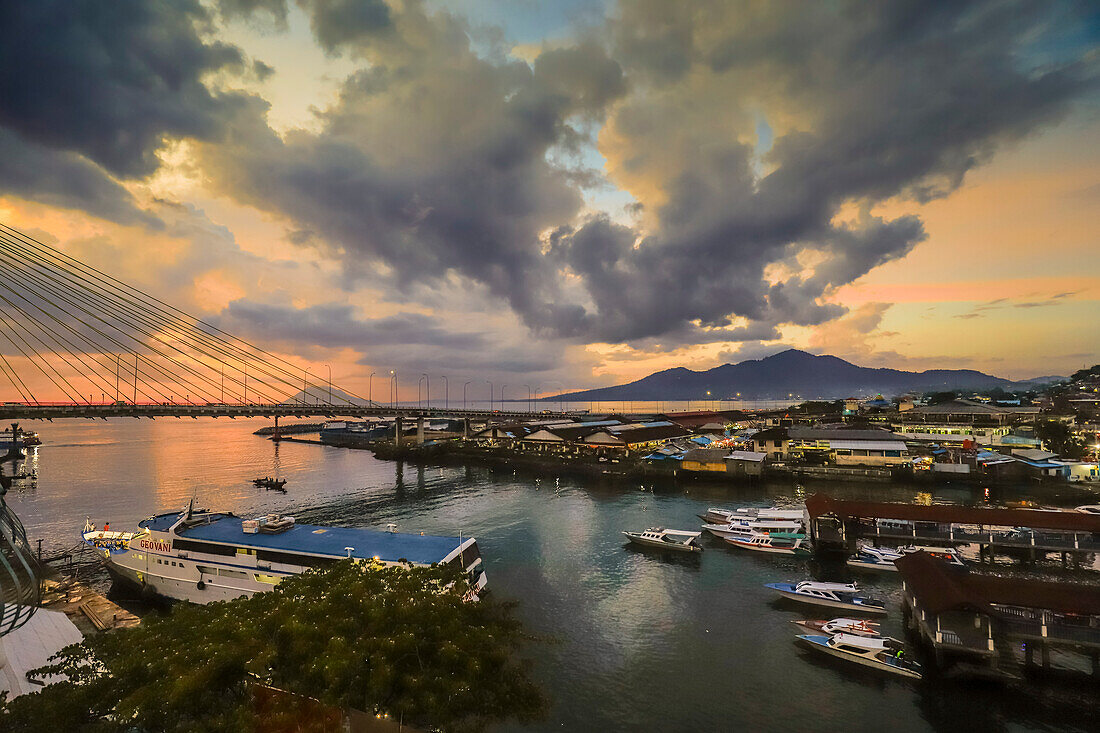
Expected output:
(380, 639)
(1059, 438)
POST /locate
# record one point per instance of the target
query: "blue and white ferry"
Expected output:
(201, 556)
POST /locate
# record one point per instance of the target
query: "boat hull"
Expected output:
(820, 644)
(660, 545)
(797, 551)
(884, 567)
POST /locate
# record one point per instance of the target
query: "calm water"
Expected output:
(644, 641)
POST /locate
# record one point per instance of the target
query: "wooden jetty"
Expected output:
(836, 525)
(984, 620)
(90, 611)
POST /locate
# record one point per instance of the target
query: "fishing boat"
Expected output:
(776, 542)
(269, 483)
(868, 557)
(15, 437)
(667, 539)
(833, 595)
(877, 652)
(856, 626)
(201, 556)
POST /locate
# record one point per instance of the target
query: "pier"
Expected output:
(983, 619)
(836, 525)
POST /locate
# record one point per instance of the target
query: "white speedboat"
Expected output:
(715, 515)
(200, 556)
(776, 542)
(948, 554)
(744, 527)
(1088, 509)
(667, 539)
(877, 652)
(833, 595)
(869, 557)
(855, 626)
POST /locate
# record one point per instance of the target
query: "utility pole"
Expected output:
(446, 393)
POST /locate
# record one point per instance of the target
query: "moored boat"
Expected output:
(202, 556)
(948, 554)
(715, 515)
(877, 652)
(869, 557)
(15, 437)
(855, 626)
(667, 539)
(833, 595)
(776, 542)
(745, 527)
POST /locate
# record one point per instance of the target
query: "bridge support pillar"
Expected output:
(1045, 655)
(420, 430)
(465, 428)
(398, 428)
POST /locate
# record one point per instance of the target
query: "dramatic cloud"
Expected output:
(434, 161)
(102, 86)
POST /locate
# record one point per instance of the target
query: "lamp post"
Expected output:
(329, 383)
(419, 402)
(464, 386)
(502, 396)
(370, 389)
(427, 392)
(528, 396)
(393, 382)
(490, 394)
(446, 392)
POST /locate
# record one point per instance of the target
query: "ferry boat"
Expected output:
(12, 438)
(201, 556)
(779, 543)
(667, 539)
(878, 652)
(855, 626)
(869, 557)
(833, 595)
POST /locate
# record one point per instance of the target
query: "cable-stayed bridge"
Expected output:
(113, 350)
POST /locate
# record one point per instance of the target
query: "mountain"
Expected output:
(789, 372)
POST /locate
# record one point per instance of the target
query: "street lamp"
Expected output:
(329, 383)
(490, 394)
(446, 392)
(370, 389)
(464, 386)
(428, 390)
(393, 393)
(502, 396)
(528, 397)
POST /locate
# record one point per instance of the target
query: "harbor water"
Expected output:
(637, 640)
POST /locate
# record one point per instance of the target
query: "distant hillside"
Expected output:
(790, 372)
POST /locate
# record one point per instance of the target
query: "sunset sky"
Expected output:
(575, 193)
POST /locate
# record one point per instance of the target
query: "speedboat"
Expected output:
(775, 542)
(715, 515)
(878, 652)
(745, 527)
(869, 557)
(201, 556)
(1088, 509)
(833, 595)
(948, 554)
(856, 626)
(667, 539)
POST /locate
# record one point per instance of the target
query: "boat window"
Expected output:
(210, 549)
(227, 573)
(289, 558)
(264, 578)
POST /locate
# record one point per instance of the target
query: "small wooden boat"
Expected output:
(271, 484)
(877, 652)
(854, 626)
(667, 539)
(833, 595)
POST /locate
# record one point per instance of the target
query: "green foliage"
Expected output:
(938, 398)
(1082, 374)
(1058, 438)
(393, 640)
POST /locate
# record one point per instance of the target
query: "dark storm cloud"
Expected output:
(108, 81)
(435, 160)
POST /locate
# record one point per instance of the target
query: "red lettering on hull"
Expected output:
(155, 545)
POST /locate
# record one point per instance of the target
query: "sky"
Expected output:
(572, 194)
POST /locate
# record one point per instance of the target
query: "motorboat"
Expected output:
(715, 515)
(667, 539)
(202, 556)
(856, 626)
(948, 554)
(1088, 509)
(868, 557)
(775, 542)
(833, 595)
(877, 652)
(745, 527)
